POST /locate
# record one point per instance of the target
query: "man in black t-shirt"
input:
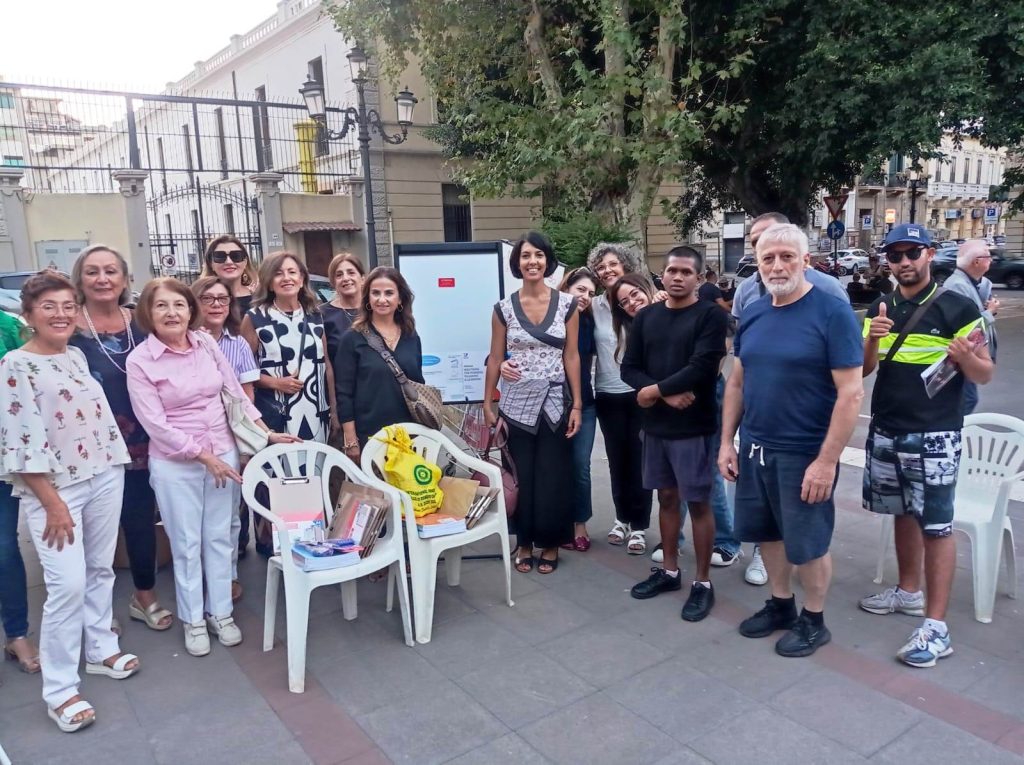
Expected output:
(913, 446)
(671, 360)
(711, 292)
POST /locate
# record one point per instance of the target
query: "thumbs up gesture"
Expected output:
(881, 325)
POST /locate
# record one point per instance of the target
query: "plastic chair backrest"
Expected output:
(426, 442)
(992, 451)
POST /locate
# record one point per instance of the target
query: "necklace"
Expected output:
(103, 348)
(289, 314)
(390, 341)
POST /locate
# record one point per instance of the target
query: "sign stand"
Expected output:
(836, 229)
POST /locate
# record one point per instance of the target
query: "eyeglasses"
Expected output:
(53, 309)
(221, 256)
(912, 254)
(215, 300)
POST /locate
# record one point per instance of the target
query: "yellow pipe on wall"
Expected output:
(305, 134)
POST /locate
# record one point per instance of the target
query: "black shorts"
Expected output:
(769, 508)
(679, 463)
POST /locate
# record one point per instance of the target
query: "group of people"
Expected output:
(113, 409)
(111, 412)
(793, 395)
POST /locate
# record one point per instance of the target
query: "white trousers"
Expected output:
(197, 517)
(79, 581)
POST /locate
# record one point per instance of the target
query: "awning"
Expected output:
(297, 228)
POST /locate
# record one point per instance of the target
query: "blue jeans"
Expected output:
(970, 397)
(582, 446)
(13, 594)
(723, 513)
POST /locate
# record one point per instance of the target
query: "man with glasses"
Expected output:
(913, 445)
(972, 262)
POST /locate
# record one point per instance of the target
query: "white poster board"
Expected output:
(456, 286)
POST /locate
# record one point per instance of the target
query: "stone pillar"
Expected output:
(132, 186)
(268, 191)
(15, 246)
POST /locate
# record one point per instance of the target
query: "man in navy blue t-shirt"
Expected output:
(795, 392)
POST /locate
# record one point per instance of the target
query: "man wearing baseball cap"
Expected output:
(913, 445)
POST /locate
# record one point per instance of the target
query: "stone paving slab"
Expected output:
(576, 672)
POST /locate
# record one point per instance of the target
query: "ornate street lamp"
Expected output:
(914, 179)
(364, 121)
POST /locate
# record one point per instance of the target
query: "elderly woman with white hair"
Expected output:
(618, 412)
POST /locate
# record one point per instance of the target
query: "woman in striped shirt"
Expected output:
(220, 317)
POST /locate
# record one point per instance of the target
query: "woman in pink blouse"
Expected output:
(174, 379)
(62, 451)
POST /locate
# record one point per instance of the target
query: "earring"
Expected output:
(401, 307)
(368, 308)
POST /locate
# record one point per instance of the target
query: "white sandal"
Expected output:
(66, 719)
(637, 542)
(618, 533)
(118, 671)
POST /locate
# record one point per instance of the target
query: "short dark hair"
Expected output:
(144, 310)
(538, 240)
(775, 217)
(686, 251)
(233, 322)
(45, 281)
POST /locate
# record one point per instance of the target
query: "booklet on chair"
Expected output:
(320, 556)
(359, 514)
(438, 525)
(299, 502)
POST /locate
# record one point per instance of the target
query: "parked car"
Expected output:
(10, 290)
(321, 287)
(944, 263)
(1007, 268)
(999, 240)
(744, 261)
(745, 271)
(852, 260)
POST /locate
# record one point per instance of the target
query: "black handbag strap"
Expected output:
(912, 322)
(375, 342)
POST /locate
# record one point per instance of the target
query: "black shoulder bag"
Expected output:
(912, 322)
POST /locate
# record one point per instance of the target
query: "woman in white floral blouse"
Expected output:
(61, 449)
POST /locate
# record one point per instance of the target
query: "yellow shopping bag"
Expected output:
(406, 470)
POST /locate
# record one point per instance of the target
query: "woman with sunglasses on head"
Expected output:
(628, 296)
(62, 450)
(618, 413)
(227, 258)
(218, 316)
(106, 333)
(538, 328)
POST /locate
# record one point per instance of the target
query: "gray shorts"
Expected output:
(679, 463)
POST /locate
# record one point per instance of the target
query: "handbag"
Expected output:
(250, 438)
(509, 475)
(423, 401)
(275, 409)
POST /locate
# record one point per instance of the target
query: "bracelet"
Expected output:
(352, 445)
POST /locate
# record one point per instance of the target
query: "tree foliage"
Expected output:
(755, 104)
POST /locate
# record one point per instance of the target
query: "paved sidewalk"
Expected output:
(577, 672)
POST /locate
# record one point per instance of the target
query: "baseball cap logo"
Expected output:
(915, 232)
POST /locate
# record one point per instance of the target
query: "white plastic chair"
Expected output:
(4, 759)
(423, 553)
(990, 464)
(285, 460)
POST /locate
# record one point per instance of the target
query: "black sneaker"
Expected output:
(803, 640)
(769, 619)
(699, 604)
(721, 557)
(657, 583)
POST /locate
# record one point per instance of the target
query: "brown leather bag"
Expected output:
(498, 439)
(424, 401)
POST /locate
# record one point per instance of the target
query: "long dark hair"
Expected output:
(577, 275)
(403, 314)
(248, 270)
(233, 322)
(621, 320)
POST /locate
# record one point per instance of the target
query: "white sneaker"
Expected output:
(225, 629)
(721, 557)
(756, 572)
(892, 600)
(197, 639)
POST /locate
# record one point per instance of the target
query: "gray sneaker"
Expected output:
(892, 600)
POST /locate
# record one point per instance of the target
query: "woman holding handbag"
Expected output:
(369, 393)
(175, 380)
(537, 327)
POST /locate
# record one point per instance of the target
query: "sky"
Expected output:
(117, 44)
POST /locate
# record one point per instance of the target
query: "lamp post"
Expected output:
(914, 179)
(364, 121)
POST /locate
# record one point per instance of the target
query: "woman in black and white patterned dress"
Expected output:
(295, 391)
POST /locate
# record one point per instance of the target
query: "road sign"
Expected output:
(991, 214)
(835, 230)
(890, 215)
(835, 204)
(867, 221)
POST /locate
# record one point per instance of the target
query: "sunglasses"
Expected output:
(221, 256)
(896, 257)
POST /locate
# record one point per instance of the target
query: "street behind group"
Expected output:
(111, 411)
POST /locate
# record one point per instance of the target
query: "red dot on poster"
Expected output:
(445, 282)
